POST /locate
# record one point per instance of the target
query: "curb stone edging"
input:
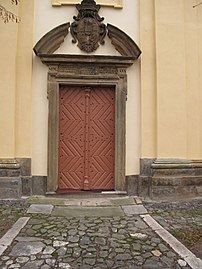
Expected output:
(8, 238)
(177, 246)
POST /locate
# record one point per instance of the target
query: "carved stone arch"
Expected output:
(52, 40)
(122, 42)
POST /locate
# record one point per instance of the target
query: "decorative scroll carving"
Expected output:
(87, 28)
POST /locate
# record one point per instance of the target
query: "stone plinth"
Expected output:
(170, 178)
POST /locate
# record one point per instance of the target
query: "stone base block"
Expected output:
(16, 180)
(176, 193)
(170, 179)
(132, 185)
(145, 186)
(27, 186)
(10, 188)
(35, 185)
(39, 185)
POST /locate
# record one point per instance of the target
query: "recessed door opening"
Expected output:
(86, 138)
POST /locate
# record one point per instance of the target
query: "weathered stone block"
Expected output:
(144, 186)
(146, 166)
(10, 188)
(132, 185)
(170, 178)
(26, 186)
(39, 185)
(173, 192)
(9, 172)
(25, 166)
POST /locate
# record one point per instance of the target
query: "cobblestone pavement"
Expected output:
(182, 219)
(115, 238)
(10, 211)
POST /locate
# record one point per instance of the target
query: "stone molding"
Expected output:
(8, 163)
(83, 70)
(12, 167)
(176, 163)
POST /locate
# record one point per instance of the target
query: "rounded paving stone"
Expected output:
(64, 266)
(62, 251)
(13, 266)
(73, 239)
(33, 265)
(45, 267)
(58, 243)
(5, 258)
(182, 263)
(30, 248)
(50, 262)
(100, 241)
(22, 259)
(48, 250)
(9, 262)
(123, 257)
(85, 241)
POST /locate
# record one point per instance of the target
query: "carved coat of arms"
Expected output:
(88, 28)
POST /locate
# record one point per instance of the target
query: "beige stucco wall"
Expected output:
(48, 17)
(16, 41)
(171, 79)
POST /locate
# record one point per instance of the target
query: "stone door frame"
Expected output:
(79, 70)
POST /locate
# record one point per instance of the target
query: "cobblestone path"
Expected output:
(121, 241)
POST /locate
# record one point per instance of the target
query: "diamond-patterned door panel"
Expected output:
(86, 138)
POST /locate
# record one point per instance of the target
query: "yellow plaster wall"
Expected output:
(148, 79)
(8, 47)
(171, 81)
(23, 111)
(15, 81)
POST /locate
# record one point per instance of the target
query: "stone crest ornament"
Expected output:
(88, 29)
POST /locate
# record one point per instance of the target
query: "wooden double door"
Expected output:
(86, 138)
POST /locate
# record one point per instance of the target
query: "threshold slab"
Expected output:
(88, 211)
